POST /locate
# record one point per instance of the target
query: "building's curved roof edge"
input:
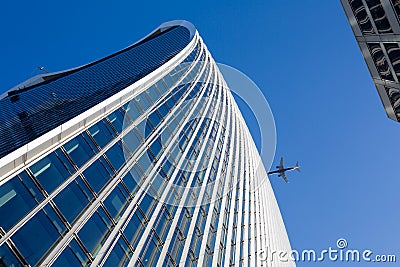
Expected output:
(37, 79)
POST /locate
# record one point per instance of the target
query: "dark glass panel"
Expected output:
(152, 249)
(116, 202)
(73, 255)
(163, 109)
(116, 155)
(155, 118)
(147, 205)
(33, 189)
(130, 183)
(55, 219)
(156, 147)
(15, 202)
(362, 16)
(393, 52)
(72, 200)
(101, 133)
(67, 258)
(98, 174)
(80, 149)
(134, 228)
(119, 255)
(396, 5)
(380, 61)
(379, 16)
(35, 237)
(51, 171)
(117, 120)
(93, 232)
(7, 258)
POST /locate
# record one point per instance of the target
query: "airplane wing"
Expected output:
(284, 177)
(281, 164)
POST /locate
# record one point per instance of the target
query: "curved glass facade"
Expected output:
(167, 178)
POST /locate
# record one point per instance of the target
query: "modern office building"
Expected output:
(375, 24)
(141, 158)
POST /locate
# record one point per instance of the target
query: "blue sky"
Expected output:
(303, 56)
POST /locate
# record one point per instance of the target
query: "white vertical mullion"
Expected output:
(230, 131)
(180, 207)
(157, 209)
(253, 201)
(210, 214)
(233, 199)
(240, 201)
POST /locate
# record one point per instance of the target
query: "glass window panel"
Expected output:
(79, 253)
(93, 232)
(133, 110)
(130, 183)
(15, 202)
(134, 228)
(145, 163)
(117, 120)
(101, 133)
(80, 149)
(67, 258)
(163, 109)
(149, 127)
(7, 258)
(161, 86)
(55, 219)
(33, 189)
(147, 205)
(171, 102)
(154, 94)
(98, 174)
(133, 140)
(105, 217)
(168, 81)
(71, 201)
(143, 101)
(152, 248)
(156, 147)
(155, 118)
(116, 202)
(141, 128)
(116, 155)
(119, 255)
(72, 256)
(51, 171)
(35, 237)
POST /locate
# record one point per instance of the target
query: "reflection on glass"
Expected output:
(101, 133)
(15, 202)
(51, 171)
(80, 149)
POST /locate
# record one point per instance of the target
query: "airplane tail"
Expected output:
(297, 167)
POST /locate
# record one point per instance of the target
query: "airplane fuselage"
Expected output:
(281, 170)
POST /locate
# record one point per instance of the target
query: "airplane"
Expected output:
(281, 170)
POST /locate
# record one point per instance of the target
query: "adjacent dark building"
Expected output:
(375, 24)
